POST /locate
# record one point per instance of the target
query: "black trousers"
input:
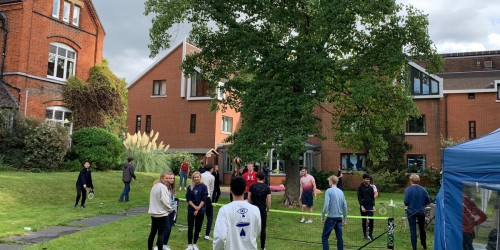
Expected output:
(157, 227)
(195, 222)
(80, 192)
(209, 212)
(263, 225)
(216, 194)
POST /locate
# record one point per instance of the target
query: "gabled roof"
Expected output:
(6, 98)
(159, 60)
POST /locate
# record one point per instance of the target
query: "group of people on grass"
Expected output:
(240, 222)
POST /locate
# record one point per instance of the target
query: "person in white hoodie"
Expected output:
(159, 209)
(238, 223)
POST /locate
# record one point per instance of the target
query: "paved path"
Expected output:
(20, 242)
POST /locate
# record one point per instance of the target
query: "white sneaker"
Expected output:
(302, 220)
(195, 247)
(309, 221)
(207, 237)
(165, 247)
(180, 188)
(185, 188)
(155, 248)
(190, 247)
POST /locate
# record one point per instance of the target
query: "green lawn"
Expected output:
(41, 200)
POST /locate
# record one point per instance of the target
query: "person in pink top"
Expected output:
(306, 198)
(250, 178)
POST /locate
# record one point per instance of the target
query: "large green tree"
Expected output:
(282, 59)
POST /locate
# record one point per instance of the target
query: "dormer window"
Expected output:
(423, 84)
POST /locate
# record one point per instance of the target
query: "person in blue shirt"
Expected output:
(196, 198)
(416, 199)
(335, 210)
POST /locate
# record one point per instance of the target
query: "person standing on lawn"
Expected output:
(127, 175)
(83, 182)
(366, 199)
(216, 193)
(250, 177)
(209, 180)
(267, 171)
(259, 195)
(416, 199)
(196, 196)
(159, 209)
(238, 223)
(170, 219)
(307, 194)
(339, 176)
(335, 209)
(183, 174)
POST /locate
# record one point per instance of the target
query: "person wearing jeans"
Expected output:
(127, 175)
(184, 173)
(416, 199)
(335, 210)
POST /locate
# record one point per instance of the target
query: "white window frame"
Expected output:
(65, 119)
(56, 7)
(76, 15)
(159, 88)
(227, 125)
(65, 59)
(66, 11)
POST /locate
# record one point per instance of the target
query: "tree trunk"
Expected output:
(292, 183)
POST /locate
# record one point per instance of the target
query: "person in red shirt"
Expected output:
(250, 178)
(472, 216)
(183, 173)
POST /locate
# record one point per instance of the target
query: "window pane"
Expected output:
(55, 8)
(425, 85)
(67, 7)
(58, 115)
(49, 113)
(60, 68)
(69, 69)
(193, 85)
(61, 51)
(51, 65)
(71, 54)
(156, 88)
(68, 116)
(434, 86)
(52, 49)
(163, 89)
(76, 15)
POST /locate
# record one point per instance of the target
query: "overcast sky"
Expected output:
(454, 26)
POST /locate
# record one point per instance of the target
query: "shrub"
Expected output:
(46, 147)
(148, 156)
(389, 181)
(98, 146)
(175, 160)
(321, 178)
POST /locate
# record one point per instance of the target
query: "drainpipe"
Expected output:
(3, 19)
(446, 115)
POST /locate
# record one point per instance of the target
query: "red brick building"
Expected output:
(462, 103)
(47, 42)
(163, 99)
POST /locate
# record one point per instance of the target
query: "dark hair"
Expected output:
(367, 176)
(130, 159)
(261, 175)
(238, 185)
(208, 167)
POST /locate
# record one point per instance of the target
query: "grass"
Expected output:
(41, 200)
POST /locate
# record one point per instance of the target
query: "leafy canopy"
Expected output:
(284, 58)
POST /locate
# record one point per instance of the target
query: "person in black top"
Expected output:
(259, 195)
(127, 175)
(216, 193)
(366, 199)
(83, 182)
(339, 176)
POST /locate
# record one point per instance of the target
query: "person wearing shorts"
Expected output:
(307, 187)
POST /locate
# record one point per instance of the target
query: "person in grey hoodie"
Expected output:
(128, 174)
(159, 208)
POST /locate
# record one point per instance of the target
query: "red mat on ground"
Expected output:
(277, 188)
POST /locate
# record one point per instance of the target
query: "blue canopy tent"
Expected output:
(474, 164)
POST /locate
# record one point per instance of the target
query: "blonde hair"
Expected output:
(192, 178)
(333, 179)
(414, 178)
(161, 176)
